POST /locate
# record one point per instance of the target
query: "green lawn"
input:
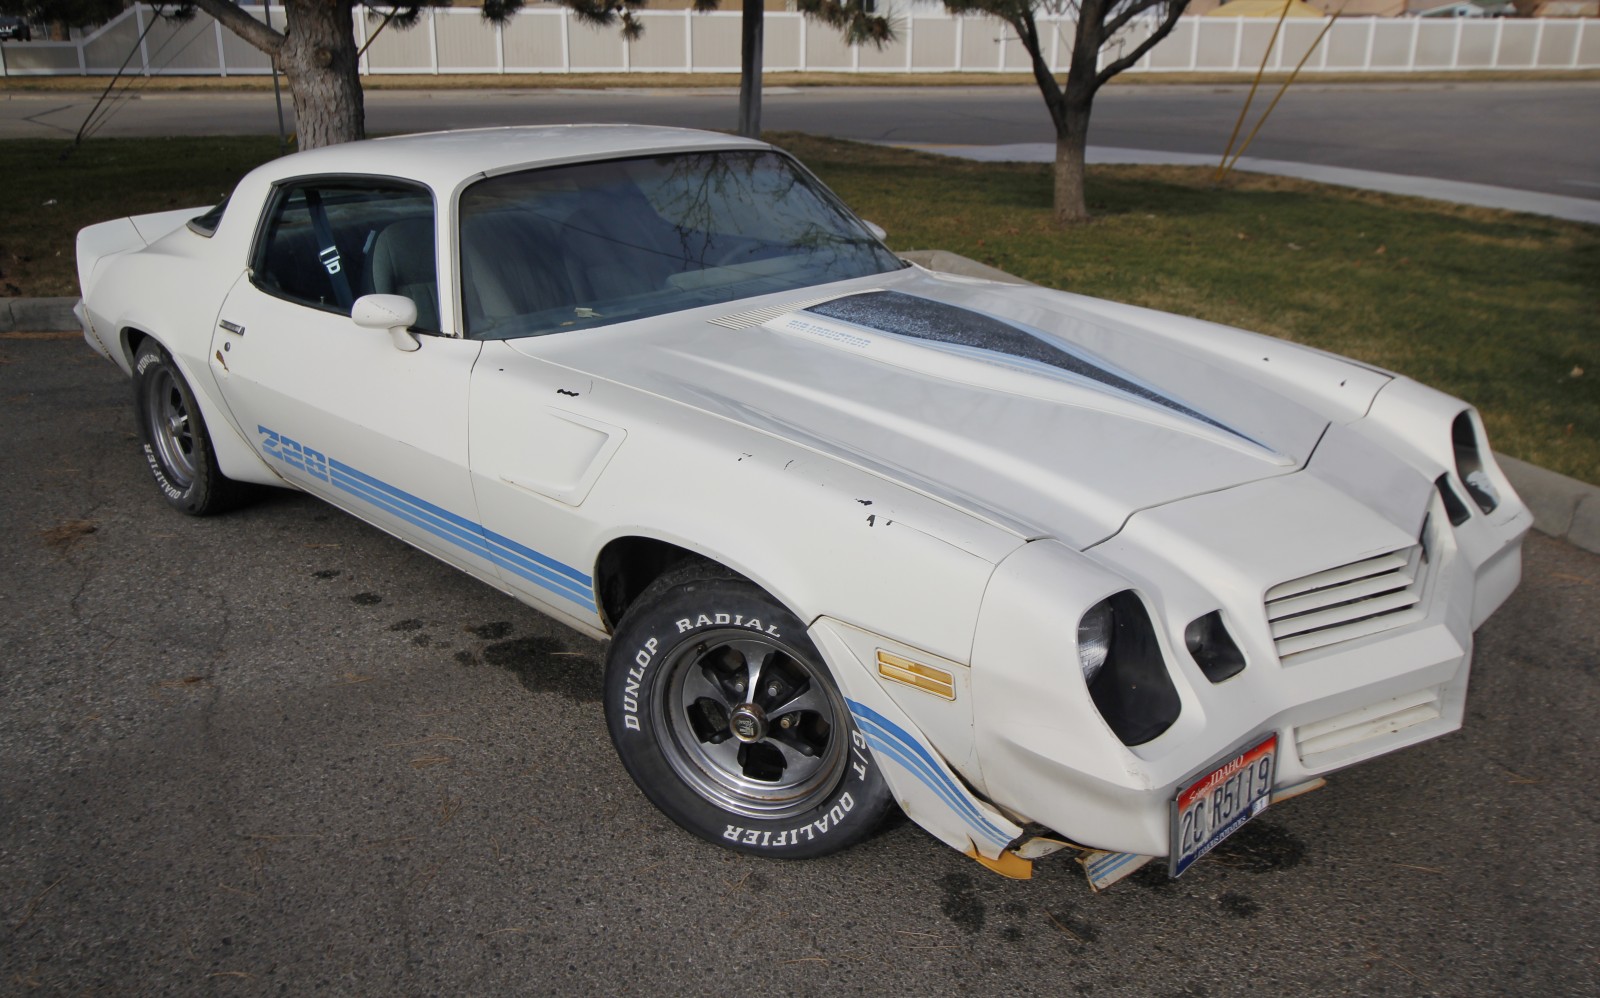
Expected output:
(1502, 310)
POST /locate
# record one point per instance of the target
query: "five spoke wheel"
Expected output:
(751, 726)
(167, 412)
(731, 722)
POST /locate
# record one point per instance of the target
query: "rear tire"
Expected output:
(726, 717)
(177, 447)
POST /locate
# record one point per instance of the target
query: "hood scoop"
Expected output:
(987, 351)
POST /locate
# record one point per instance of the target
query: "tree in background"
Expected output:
(849, 16)
(1069, 104)
(316, 52)
(316, 49)
(63, 15)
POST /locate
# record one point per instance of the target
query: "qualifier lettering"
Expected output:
(793, 836)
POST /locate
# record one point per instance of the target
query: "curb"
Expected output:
(38, 315)
(1562, 507)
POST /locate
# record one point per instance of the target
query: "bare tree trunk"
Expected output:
(318, 55)
(1070, 206)
(1069, 105)
(1077, 101)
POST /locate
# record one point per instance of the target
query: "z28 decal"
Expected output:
(295, 456)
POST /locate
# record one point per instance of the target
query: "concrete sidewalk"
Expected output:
(1482, 195)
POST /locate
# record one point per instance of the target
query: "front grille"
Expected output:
(1316, 741)
(1351, 601)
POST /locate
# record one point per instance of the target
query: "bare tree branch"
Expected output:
(1169, 21)
(1071, 99)
(1128, 12)
(1027, 29)
(243, 25)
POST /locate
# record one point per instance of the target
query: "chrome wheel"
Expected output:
(167, 415)
(727, 717)
(750, 725)
(176, 448)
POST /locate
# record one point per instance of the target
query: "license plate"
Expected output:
(1217, 804)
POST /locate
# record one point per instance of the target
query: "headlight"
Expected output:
(1094, 639)
(1213, 648)
(1469, 464)
(1130, 685)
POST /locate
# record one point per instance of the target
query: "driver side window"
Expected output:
(328, 242)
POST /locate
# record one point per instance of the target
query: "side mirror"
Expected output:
(877, 230)
(396, 313)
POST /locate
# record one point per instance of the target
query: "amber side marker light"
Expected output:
(914, 674)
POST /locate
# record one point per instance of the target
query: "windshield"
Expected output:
(569, 247)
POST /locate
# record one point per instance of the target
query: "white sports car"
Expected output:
(1044, 571)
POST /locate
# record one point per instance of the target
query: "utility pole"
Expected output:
(750, 69)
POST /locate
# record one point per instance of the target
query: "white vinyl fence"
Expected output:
(553, 41)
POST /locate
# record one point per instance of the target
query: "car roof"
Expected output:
(443, 160)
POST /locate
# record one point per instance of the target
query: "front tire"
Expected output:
(726, 717)
(176, 445)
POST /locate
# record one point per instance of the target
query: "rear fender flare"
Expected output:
(236, 458)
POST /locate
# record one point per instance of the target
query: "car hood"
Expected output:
(1050, 414)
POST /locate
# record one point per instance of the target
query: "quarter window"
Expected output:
(327, 243)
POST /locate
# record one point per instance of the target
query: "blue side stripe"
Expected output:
(583, 597)
(534, 556)
(513, 548)
(417, 501)
(542, 570)
(464, 536)
(934, 781)
(474, 543)
(892, 750)
(894, 742)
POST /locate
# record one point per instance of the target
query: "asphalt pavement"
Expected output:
(1524, 136)
(280, 752)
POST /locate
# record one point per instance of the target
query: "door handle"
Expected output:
(232, 327)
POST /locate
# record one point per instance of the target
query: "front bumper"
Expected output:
(1046, 755)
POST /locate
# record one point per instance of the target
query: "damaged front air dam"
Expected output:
(1102, 868)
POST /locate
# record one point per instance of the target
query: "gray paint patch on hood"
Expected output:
(953, 326)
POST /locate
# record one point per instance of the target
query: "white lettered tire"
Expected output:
(726, 717)
(177, 446)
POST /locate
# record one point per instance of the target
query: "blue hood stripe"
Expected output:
(975, 334)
